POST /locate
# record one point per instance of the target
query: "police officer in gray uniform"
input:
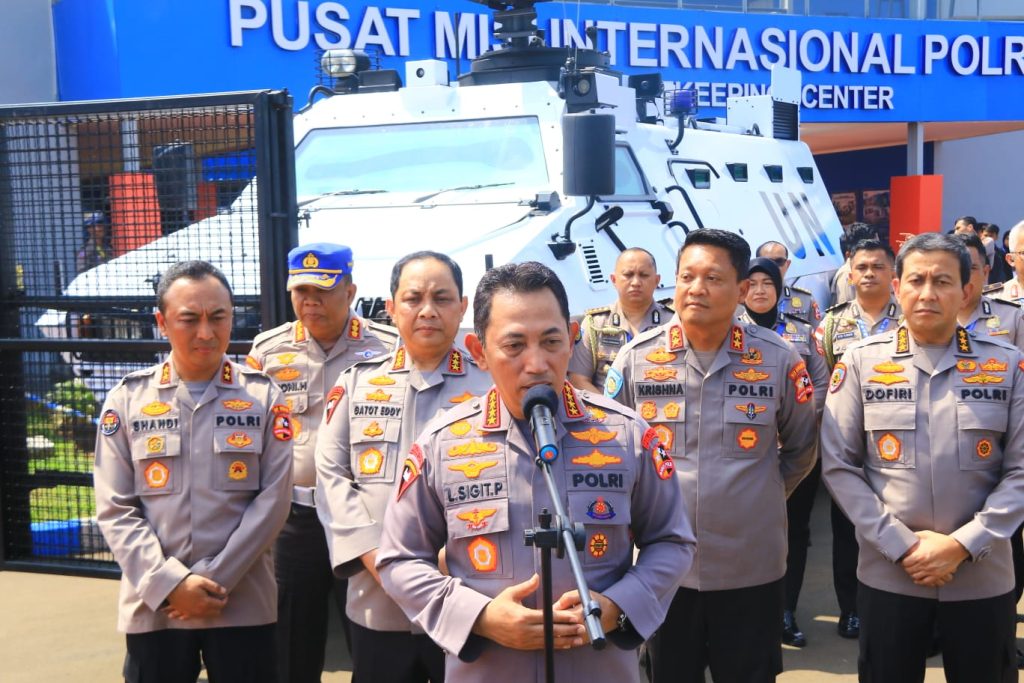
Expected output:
(873, 310)
(471, 485)
(305, 358)
(605, 330)
(193, 478)
(923, 447)
(794, 301)
(982, 315)
(761, 307)
(734, 403)
(372, 415)
(1013, 289)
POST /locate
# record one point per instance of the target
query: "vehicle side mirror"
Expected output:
(588, 154)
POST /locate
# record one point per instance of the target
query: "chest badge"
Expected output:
(239, 440)
(370, 461)
(889, 447)
(596, 459)
(593, 435)
(157, 475)
(238, 471)
(156, 408)
(473, 469)
(598, 545)
(600, 509)
(477, 519)
(373, 429)
(483, 555)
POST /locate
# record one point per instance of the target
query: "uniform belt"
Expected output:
(303, 495)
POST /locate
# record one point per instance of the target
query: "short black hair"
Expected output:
(873, 245)
(758, 252)
(989, 228)
(733, 244)
(640, 250)
(972, 241)
(969, 220)
(855, 233)
(396, 271)
(192, 270)
(933, 241)
(529, 276)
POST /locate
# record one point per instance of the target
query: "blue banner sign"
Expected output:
(854, 70)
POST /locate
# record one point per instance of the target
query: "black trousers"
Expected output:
(394, 657)
(304, 583)
(243, 654)
(734, 632)
(798, 515)
(844, 560)
(1017, 549)
(896, 631)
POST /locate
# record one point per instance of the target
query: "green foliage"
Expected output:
(62, 503)
(75, 395)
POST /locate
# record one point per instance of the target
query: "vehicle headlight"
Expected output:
(338, 62)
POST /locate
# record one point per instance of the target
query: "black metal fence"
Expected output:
(96, 200)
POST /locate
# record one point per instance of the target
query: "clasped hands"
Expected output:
(934, 559)
(508, 622)
(195, 597)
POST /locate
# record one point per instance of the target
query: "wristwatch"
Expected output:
(623, 622)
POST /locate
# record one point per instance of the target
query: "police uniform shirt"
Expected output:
(1011, 290)
(845, 324)
(800, 303)
(372, 415)
(997, 318)
(908, 446)
(200, 487)
(471, 485)
(742, 435)
(305, 373)
(603, 333)
(800, 335)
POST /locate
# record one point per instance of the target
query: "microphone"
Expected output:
(539, 406)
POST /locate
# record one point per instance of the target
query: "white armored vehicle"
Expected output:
(481, 169)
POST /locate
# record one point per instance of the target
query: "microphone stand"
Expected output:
(565, 539)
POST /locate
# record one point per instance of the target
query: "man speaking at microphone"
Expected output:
(470, 485)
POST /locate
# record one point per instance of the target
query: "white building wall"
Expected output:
(27, 65)
(982, 178)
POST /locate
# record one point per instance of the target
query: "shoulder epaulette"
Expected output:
(801, 290)
(1004, 302)
(836, 307)
(995, 287)
(669, 303)
(598, 311)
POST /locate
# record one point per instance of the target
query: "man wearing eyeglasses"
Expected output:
(795, 301)
(1013, 289)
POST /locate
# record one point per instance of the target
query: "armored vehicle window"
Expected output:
(421, 157)
(629, 180)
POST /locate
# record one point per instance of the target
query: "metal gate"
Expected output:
(96, 200)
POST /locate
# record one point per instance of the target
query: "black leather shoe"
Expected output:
(849, 625)
(791, 633)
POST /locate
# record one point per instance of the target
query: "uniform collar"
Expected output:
(892, 309)
(654, 316)
(166, 376)
(960, 346)
(497, 417)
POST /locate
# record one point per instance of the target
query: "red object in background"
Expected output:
(134, 211)
(206, 201)
(915, 206)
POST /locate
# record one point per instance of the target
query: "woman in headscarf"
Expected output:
(762, 308)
